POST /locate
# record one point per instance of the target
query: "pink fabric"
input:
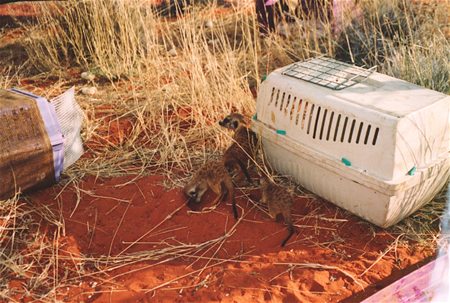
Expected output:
(341, 10)
(271, 2)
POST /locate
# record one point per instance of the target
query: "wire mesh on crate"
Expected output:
(329, 72)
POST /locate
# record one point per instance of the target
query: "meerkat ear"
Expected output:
(235, 125)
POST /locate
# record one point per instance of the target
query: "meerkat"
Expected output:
(212, 175)
(243, 147)
(279, 201)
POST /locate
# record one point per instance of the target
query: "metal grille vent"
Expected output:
(329, 72)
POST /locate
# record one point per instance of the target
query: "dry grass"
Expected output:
(173, 103)
(10, 71)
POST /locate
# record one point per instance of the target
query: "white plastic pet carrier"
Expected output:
(374, 145)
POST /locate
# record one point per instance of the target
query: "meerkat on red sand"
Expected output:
(242, 149)
(212, 175)
(279, 201)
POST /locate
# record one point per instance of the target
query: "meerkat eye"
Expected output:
(235, 124)
(192, 193)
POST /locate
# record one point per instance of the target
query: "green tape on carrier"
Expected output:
(346, 162)
(281, 132)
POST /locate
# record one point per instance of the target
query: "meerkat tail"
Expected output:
(229, 189)
(291, 232)
(233, 202)
(224, 191)
(244, 169)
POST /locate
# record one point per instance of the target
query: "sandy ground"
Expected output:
(332, 257)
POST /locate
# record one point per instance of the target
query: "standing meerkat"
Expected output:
(243, 147)
(279, 201)
(212, 175)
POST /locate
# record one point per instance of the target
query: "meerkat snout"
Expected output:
(192, 196)
(230, 122)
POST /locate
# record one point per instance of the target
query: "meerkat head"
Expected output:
(191, 194)
(233, 121)
(263, 181)
(194, 192)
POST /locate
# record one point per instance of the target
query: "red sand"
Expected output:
(119, 216)
(111, 216)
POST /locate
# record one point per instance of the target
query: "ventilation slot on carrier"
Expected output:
(329, 126)
(310, 118)
(293, 107)
(361, 125)
(277, 97)
(282, 101)
(323, 123)
(287, 105)
(375, 137)
(301, 113)
(344, 128)
(316, 122)
(350, 135)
